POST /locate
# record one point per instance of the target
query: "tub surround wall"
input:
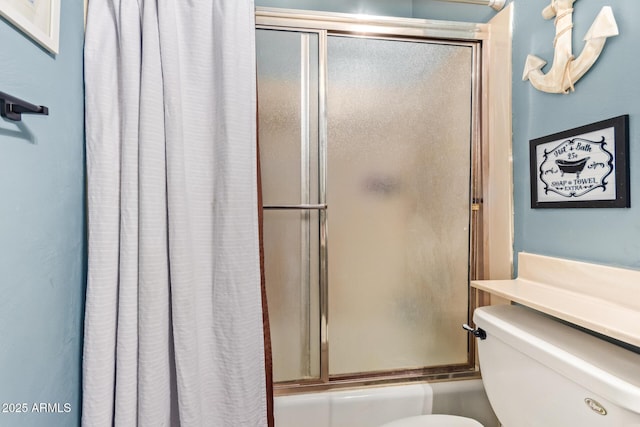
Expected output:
(42, 260)
(497, 191)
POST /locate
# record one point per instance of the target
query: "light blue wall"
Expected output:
(609, 89)
(433, 9)
(42, 249)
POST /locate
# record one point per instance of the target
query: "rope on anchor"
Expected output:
(566, 75)
(565, 29)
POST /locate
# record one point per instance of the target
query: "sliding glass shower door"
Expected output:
(399, 152)
(366, 152)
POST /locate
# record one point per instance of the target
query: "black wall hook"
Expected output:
(12, 108)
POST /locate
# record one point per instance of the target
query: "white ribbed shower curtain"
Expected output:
(173, 324)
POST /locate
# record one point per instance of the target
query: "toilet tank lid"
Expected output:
(609, 370)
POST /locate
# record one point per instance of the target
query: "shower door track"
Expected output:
(399, 29)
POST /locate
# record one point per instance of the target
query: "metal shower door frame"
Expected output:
(397, 29)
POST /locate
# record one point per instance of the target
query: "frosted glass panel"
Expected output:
(291, 270)
(399, 126)
(287, 65)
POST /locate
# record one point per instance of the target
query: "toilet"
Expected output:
(538, 371)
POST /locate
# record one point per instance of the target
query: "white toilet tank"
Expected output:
(539, 372)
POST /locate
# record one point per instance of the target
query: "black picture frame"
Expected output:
(584, 167)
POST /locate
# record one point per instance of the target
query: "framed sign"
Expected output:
(39, 19)
(585, 167)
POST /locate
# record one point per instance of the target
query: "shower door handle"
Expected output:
(304, 207)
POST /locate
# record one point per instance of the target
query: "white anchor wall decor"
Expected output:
(566, 69)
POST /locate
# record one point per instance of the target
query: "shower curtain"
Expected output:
(173, 323)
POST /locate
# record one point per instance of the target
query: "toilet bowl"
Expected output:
(434, 421)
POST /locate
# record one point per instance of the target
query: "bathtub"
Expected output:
(374, 406)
